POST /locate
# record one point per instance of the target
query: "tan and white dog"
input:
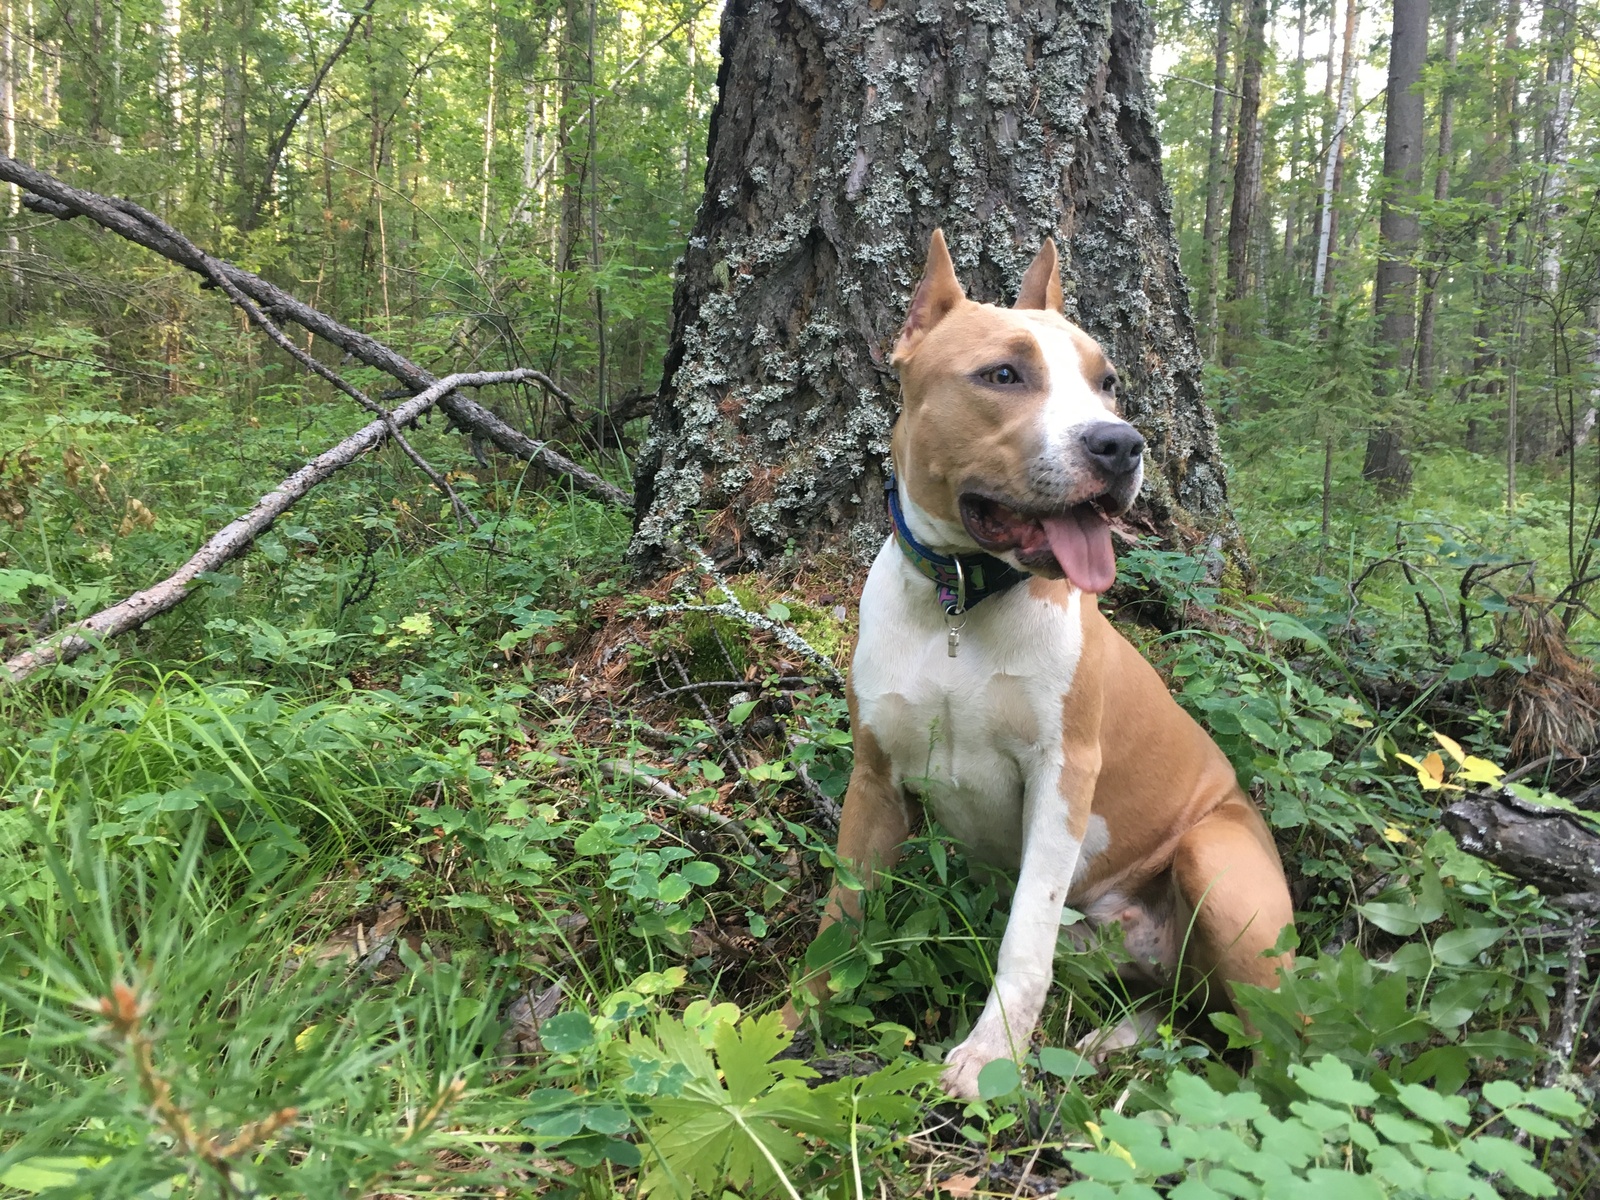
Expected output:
(1034, 731)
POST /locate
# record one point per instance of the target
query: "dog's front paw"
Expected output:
(960, 1078)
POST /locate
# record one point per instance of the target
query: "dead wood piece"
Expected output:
(621, 769)
(1549, 850)
(232, 540)
(134, 223)
(527, 1012)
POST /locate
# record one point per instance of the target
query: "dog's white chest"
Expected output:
(972, 734)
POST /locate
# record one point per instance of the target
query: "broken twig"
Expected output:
(232, 540)
(618, 769)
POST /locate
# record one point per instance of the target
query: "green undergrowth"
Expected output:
(387, 867)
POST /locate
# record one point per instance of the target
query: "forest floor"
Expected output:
(407, 859)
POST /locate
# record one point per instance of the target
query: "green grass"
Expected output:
(210, 829)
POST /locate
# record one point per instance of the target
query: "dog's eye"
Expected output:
(1004, 376)
(1109, 383)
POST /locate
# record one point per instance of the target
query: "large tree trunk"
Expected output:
(843, 134)
(1394, 293)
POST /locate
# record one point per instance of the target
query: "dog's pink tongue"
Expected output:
(1081, 542)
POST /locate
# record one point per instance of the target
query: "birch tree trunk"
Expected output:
(488, 135)
(8, 141)
(1330, 168)
(844, 133)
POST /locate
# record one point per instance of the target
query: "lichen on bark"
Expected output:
(844, 133)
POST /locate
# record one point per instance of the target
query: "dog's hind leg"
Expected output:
(873, 825)
(1229, 874)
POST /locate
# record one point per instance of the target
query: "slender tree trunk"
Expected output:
(532, 147)
(93, 76)
(690, 104)
(172, 61)
(8, 139)
(1426, 353)
(280, 144)
(488, 134)
(593, 166)
(1214, 176)
(843, 134)
(1331, 167)
(1491, 362)
(1327, 493)
(1394, 291)
(1291, 216)
(1246, 171)
(1560, 19)
(574, 71)
(116, 74)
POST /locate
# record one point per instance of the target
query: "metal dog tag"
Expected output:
(953, 644)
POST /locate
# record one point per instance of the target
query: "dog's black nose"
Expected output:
(1114, 446)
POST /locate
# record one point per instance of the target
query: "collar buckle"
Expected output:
(962, 581)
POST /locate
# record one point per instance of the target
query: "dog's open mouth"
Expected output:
(1077, 542)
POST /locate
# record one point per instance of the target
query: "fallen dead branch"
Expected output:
(617, 769)
(49, 195)
(1542, 846)
(234, 538)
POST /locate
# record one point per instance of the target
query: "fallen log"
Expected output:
(52, 196)
(234, 538)
(1558, 854)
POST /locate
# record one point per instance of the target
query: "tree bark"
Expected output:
(843, 135)
(1536, 845)
(1246, 171)
(1214, 176)
(1394, 293)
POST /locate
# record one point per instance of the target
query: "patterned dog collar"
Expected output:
(963, 580)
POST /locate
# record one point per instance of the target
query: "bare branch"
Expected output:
(234, 538)
(51, 195)
(621, 770)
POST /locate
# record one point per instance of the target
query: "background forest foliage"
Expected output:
(412, 858)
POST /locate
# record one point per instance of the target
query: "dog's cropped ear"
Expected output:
(936, 295)
(1041, 286)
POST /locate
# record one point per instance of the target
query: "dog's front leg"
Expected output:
(1056, 803)
(1052, 842)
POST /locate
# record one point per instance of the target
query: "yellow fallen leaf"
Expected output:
(1430, 771)
(1451, 746)
(1391, 834)
(1479, 770)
